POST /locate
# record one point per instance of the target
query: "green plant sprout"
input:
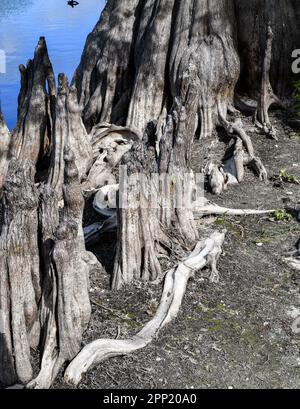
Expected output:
(288, 177)
(282, 216)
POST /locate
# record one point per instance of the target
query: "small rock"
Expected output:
(259, 244)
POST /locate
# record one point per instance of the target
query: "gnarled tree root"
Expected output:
(232, 170)
(267, 96)
(205, 253)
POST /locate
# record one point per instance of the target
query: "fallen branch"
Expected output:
(210, 209)
(205, 253)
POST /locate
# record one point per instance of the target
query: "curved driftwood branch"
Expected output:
(206, 253)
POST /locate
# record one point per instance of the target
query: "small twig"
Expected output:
(106, 308)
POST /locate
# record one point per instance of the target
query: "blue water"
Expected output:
(22, 22)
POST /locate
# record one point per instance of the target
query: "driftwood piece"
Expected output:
(205, 253)
(209, 209)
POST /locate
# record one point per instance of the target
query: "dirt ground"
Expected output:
(235, 334)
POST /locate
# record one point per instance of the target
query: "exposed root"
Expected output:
(232, 171)
(267, 96)
(206, 252)
(258, 167)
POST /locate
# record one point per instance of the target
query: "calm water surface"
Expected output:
(22, 22)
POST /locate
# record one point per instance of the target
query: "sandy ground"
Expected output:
(235, 334)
